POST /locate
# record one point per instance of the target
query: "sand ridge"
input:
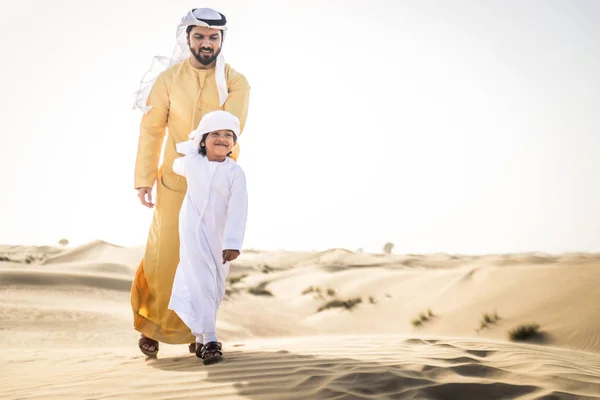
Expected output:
(322, 367)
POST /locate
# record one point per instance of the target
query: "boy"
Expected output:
(212, 224)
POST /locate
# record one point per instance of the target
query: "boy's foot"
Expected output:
(211, 353)
(148, 346)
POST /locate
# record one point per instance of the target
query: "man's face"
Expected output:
(205, 44)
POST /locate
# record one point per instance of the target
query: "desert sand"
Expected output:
(408, 327)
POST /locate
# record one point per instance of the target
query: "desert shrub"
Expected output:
(308, 290)
(488, 319)
(236, 279)
(422, 318)
(347, 304)
(524, 332)
(260, 290)
(388, 247)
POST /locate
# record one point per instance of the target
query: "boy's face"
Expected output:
(219, 143)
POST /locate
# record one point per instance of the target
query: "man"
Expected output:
(196, 81)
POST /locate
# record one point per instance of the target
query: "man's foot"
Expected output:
(194, 347)
(211, 353)
(148, 346)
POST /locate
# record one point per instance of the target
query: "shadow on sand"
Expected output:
(281, 375)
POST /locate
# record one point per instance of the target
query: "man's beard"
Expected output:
(204, 58)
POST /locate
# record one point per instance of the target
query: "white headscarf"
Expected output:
(210, 122)
(206, 17)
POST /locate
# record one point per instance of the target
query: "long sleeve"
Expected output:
(152, 133)
(237, 213)
(239, 97)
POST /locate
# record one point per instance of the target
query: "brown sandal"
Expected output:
(196, 348)
(147, 342)
(211, 353)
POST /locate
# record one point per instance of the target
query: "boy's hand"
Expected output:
(230, 255)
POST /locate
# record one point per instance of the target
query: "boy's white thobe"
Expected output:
(212, 219)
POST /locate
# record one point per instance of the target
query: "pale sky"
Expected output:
(451, 126)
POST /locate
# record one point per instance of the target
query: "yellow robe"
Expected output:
(180, 96)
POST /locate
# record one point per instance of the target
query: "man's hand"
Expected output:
(145, 196)
(230, 255)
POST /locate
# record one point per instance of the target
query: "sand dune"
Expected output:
(65, 319)
(64, 279)
(99, 252)
(26, 254)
